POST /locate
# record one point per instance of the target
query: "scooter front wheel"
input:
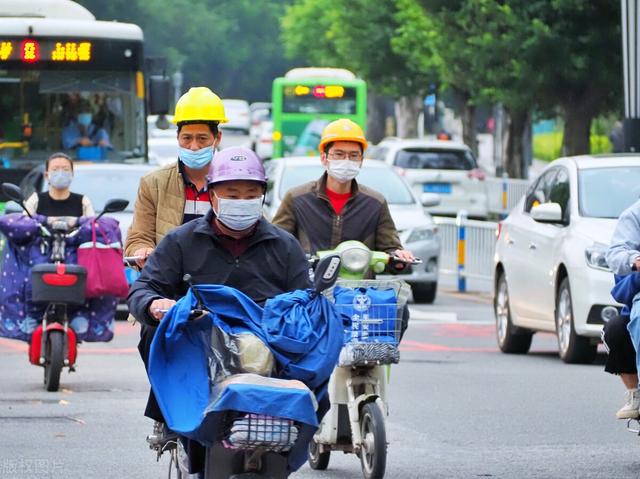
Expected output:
(318, 460)
(54, 359)
(373, 455)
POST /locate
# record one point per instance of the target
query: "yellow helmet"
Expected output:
(342, 130)
(199, 103)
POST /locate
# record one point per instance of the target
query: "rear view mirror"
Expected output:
(159, 88)
(326, 272)
(12, 192)
(113, 206)
(430, 199)
(547, 213)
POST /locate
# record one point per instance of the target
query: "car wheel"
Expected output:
(511, 339)
(424, 292)
(572, 348)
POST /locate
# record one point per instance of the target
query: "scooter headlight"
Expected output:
(355, 260)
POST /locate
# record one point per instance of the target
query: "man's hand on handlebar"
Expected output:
(142, 254)
(405, 256)
(159, 307)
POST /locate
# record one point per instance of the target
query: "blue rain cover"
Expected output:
(303, 331)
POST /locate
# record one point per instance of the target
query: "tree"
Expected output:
(363, 36)
(558, 55)
(231, 46)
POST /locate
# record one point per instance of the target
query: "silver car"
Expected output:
(417, 231)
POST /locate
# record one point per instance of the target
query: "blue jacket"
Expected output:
(625, 290)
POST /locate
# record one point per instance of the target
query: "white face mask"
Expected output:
(239, 214)
(343, 170)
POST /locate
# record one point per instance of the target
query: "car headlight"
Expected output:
(420, 234)
(596, 257)
(355, 260)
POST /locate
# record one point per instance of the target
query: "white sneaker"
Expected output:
(631, 405)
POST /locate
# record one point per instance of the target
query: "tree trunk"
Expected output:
(577, 129)
(515, 158)
(469, 132)
(376, 113)
(407, 110)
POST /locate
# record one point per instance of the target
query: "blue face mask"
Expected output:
(196, 159)
(84, 119)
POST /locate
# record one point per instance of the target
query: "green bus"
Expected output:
(306, 99)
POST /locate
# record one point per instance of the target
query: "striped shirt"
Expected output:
(196, 202)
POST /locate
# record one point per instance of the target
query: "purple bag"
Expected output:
(104, 265)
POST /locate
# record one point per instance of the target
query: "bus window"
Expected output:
(295, 101)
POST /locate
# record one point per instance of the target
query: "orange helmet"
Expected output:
(342, 130)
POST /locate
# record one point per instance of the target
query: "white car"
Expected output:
(237, 112)
(264, 143)
(550, 268)
(260, 112)
(417, 231)
(444, 167)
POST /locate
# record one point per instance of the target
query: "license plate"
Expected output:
(444, 188)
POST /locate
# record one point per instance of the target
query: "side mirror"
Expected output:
(430, 199)
(547, 213)
(12, 192)
(159, 88)
(326, 272)
(114, 206)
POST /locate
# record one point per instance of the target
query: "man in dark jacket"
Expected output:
(324, 213)
(232, 245)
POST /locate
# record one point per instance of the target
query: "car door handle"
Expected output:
(510, 241)
(532, 246)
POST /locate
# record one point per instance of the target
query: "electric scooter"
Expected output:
(355, 422)
(248, 444)
(53, 343)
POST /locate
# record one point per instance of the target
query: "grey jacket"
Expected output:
(625, 244)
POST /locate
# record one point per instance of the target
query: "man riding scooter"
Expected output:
(335, 208)
(232, 245)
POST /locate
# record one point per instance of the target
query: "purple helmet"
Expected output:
(236, 163)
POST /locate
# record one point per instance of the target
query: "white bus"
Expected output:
(58, 67)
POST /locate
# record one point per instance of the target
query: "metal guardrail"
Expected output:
(467, 247)
(504, 193)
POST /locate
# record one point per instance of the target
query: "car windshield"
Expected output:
(435, 159)
(607, 192)
(382, 180)
(102, 185)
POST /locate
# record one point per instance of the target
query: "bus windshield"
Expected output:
(91, 115)
(303, 103)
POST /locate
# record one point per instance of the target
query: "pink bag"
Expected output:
(105, 267)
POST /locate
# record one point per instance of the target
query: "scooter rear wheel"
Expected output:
(318, 460)
(373, 455)
(54, 359)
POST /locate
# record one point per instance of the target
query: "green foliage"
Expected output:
(548, 146)
(389, 44)
(231, 46)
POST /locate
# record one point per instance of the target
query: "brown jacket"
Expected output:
(307, 214)
(159, 208)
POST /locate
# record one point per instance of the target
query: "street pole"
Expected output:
(631, 73)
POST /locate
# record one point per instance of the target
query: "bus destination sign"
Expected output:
(31, 50)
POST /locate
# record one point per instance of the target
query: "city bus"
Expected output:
(56, 63)
(306, 99)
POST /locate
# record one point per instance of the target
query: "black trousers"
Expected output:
(622, 354)
(144, 347)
